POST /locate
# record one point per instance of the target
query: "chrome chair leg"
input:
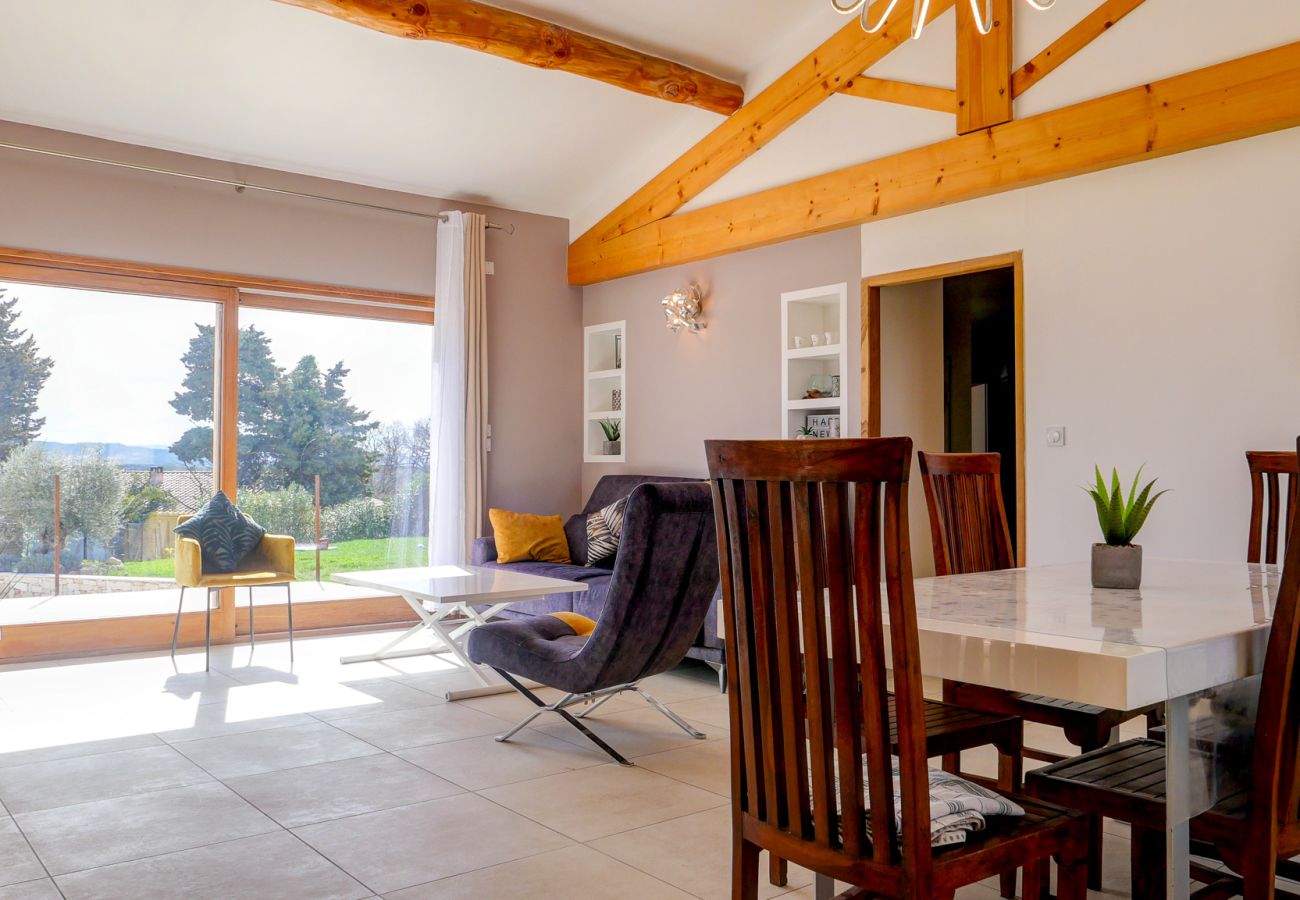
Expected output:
(676, 719)
(176, 630)
(252, 629)
(593, 707)
(288, 594)
(207, 635)
(558, 707)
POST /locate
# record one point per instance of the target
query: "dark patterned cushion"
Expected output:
(225, 534)
(604, 531)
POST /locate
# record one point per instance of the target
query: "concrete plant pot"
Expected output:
(613, 448)
(1119, 568)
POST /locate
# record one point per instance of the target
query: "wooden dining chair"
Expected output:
(803, 550)
(1266, 470)
(1256, 830)
(968, 524)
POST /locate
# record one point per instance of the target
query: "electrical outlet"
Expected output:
(1056, 435)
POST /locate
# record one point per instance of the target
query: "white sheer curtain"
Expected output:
(458, 439)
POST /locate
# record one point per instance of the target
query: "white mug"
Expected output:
(815, 340)
(798, 343)
(830, 339)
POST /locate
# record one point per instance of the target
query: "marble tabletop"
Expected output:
(460, 584)
(1193, 625)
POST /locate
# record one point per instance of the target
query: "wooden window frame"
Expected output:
(228, 292)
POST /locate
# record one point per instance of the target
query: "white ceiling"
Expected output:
(262, 83)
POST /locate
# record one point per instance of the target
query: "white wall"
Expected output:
(1162, 317)
(911, 390)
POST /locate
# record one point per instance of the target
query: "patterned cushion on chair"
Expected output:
(605, 531)
(225, 534)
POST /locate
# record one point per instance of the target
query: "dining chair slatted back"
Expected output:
(804, 530)
(1267, 469)
(1275, 769)
(968, 521)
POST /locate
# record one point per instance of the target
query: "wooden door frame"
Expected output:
(870, 397)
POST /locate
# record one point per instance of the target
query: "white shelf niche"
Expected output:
(819, 311)
(604, 367)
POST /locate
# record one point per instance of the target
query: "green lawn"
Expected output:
(349, 556)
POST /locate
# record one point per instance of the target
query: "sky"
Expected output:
(117, 360)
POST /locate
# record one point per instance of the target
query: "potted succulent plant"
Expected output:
(1117, 563)
(613, 429)
(804, 433)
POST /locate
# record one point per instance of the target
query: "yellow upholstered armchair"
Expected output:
(269, 563)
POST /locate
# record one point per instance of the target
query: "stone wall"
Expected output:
(43, 585)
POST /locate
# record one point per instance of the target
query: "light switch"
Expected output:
(1056, 435)
(491, 267)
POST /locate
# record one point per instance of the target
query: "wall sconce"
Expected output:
(682, 309)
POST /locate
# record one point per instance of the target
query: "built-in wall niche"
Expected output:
(604, 395)
(814, 334)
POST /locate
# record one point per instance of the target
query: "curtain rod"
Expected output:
(239, 186)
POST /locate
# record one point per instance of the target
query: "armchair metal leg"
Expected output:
(252, 629)
(676, 719)
(207, 634)
(288, 595)
(176, 629)
(593, 707)
(557, 708)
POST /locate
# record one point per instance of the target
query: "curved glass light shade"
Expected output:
(682, 309)
(921, 13)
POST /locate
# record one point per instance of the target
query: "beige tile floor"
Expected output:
(126, 777)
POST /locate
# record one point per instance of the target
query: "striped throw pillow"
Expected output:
(605, 531)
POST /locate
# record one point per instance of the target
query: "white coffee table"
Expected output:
(444, 598)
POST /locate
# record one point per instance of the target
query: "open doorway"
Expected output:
(942, 355)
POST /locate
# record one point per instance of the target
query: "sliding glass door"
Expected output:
(334, 443)
(98, 394)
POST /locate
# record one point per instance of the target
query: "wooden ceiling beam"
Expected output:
(1252, 95)
(1083, 33)
(843, 57)
(535, 42)
(902, 92)
(983, 68)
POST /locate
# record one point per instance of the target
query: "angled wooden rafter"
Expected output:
(535, 42)
(840, 59)
(1087, 30)
(904, 92)
(1241, 98)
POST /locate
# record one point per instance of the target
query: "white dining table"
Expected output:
(1186, 638)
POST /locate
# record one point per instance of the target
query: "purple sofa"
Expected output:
(706, 646)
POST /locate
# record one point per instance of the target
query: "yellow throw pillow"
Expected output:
(580, 624)
(521, 536)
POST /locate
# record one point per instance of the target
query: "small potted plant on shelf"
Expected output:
(804, 433)
(613, 432)
(1117, 563)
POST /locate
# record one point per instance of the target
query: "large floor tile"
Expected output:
(274, 866)
(72, 838)
(72, 749)
(483, 762)
(415, 727)
(514, 706)
(219, 720)
(17, 861)
(692, 853)
(683, 683)
(43, 889)
(81, 779)
(255, 752)
(705, 764)
(375, 695)
(713, 709)
(576, 872)
(344, 788)
(411, 845)
(591, 803)
(633, 733)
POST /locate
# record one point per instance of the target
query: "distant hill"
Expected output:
(128, 456)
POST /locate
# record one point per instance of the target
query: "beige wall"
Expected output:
(726, 381)
(911, 390)
(535, 334)
(1162, 310)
